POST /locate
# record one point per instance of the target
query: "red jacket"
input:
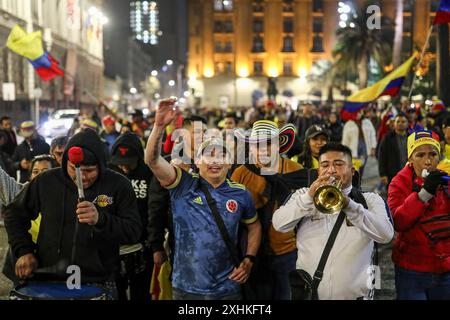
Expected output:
(412, 248)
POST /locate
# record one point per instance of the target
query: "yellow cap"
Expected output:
(420, 138)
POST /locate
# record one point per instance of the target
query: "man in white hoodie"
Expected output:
(347, 273)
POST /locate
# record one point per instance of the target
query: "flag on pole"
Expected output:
(30, 47)
(388, 86)
(443, 13)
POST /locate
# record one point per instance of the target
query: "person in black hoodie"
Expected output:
(33, 145)
(128, 159)
(106, 219)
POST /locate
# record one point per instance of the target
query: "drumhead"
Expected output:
(124, 250)
(56, 291)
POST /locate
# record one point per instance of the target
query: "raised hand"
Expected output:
(166, 112)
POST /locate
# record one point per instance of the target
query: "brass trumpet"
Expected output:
(329, 199)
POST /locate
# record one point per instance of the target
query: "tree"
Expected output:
(398, 36)
(443, 67)
(358, 43)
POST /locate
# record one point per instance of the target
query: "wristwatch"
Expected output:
(251, 258)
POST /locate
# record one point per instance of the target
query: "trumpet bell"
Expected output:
(329, 199)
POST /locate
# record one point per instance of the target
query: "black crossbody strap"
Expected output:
(221, 225)
(326, 252)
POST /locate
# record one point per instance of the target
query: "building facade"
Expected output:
(236, 45)
(73, 34)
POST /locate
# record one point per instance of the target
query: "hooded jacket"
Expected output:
(140, 177)
(55, 196)
(413, 249)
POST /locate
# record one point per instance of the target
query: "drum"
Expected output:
(132, 259)
(56, 291)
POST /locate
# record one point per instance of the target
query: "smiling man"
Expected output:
(346, 273)
(203, 268)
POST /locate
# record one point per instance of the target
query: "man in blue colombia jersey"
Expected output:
(203, 267)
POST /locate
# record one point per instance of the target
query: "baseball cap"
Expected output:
(211, 144)
(316, 130)
(124, 156)
(108, 121)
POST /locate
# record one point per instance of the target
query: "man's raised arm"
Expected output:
(163, 170)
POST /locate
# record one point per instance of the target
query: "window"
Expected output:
(258, 67)
(317, 44)
(223, 5)
(407, 6)
(406, 24)
(218, 27)
(258, 44)
(317, 24)
(317, 5)
(287, 6)
(228, 47)
(288, 25)
(406, 44)
(434, 5)
(288, 44)
(217, 46)
(287, 67)
(258, 6)
(228, 26)
(258, 25)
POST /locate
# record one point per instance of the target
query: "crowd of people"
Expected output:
(220, 204)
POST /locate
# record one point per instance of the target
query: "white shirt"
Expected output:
(347, 271)
(350, 136)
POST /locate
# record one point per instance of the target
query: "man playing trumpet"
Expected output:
(347, 273)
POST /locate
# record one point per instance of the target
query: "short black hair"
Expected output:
(337, 147)
(188, 121)
(60, 141)
(4, 118)
(43, 157)
(401, 114)
(231, 115)
(446, 123)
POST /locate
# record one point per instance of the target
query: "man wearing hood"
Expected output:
(128, 159)
(107, 218)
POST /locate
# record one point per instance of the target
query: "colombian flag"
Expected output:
(30, 47)
(389, 86)
(443, 13)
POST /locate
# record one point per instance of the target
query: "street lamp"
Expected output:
(133, 91)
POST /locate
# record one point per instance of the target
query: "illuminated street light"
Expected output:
(171, 83)
(133, 91)
(169, 62)
(154, 73)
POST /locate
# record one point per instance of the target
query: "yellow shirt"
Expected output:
(280, 243)
(34, 230)
(447, 151)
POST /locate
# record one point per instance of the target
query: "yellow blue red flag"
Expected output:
(388, 86)
(29, 45)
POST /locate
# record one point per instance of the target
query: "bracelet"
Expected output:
(251, 258)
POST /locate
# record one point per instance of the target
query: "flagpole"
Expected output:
(425, 46)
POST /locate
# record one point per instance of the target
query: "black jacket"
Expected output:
(389, 163)
(11, 142)
(29, 150)
(55, 196)
(140, 178)
(159, 216)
